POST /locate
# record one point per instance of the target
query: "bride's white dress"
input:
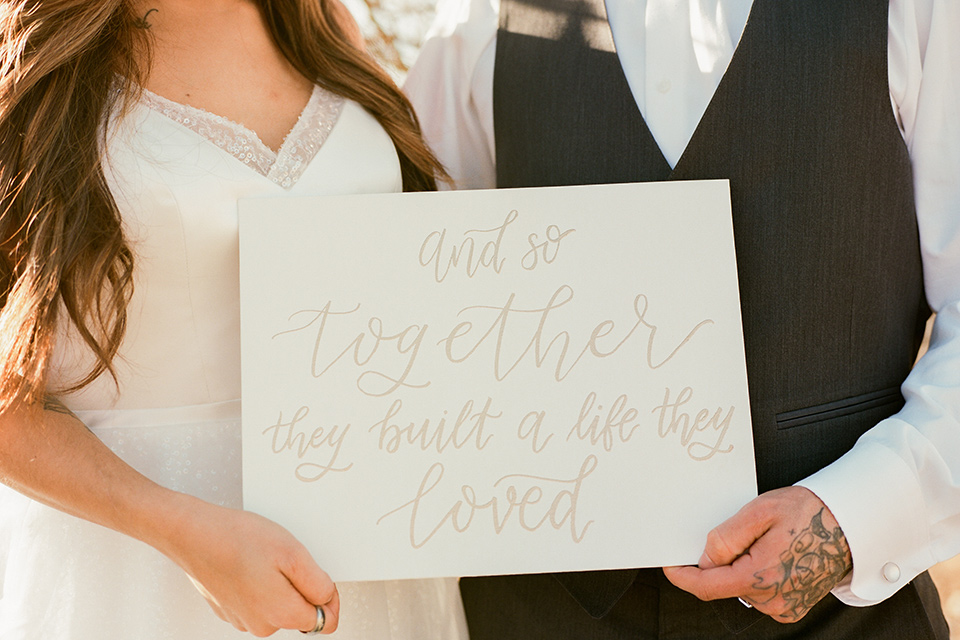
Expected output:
(176, 174)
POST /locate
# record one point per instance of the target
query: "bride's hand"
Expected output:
(253, 572)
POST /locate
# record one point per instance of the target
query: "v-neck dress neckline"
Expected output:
(284, 166)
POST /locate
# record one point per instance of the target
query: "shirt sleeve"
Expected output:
(451, 85)
(896, 494)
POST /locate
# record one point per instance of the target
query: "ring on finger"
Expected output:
(745, 603)
(318, 627)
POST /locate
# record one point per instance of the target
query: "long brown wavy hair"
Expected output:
(64, 66)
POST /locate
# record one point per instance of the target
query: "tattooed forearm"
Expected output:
(815, 562)
(142, 23)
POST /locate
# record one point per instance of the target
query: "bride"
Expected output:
(128, 131)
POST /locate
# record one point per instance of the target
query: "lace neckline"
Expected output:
(283, 167)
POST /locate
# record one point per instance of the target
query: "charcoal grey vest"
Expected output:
(824, 221)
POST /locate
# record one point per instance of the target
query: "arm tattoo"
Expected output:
(815, 562)
(141, 23)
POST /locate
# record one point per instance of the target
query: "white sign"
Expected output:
(490, 382)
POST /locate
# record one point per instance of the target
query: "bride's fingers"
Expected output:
(316, 587)
(331, 616)
(333, 607)
(217, 610)
(211, 601)
(225, 615)
(254, 573)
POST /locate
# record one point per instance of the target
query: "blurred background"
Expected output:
(394, 30)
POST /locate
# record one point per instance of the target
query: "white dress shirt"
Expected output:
(896, 494)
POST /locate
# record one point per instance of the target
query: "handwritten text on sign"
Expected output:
(494, 381)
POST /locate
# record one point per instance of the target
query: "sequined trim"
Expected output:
(284, 167)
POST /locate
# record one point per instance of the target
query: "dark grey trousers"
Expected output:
(537, 606)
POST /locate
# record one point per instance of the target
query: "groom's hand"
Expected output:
(781, 553)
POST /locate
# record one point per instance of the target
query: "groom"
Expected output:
(535, 93)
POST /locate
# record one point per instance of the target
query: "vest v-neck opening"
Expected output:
(735, 60)
(284, 166)
(713, 98)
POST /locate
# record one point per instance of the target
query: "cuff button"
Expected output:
(891, 572)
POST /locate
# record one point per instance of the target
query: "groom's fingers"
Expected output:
(782, 553)
(733, 537)
(742, 578)
(710, 584)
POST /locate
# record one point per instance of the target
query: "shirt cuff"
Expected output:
(877, 500)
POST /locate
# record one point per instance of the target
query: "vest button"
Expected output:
(664, 86)
(891, 572)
